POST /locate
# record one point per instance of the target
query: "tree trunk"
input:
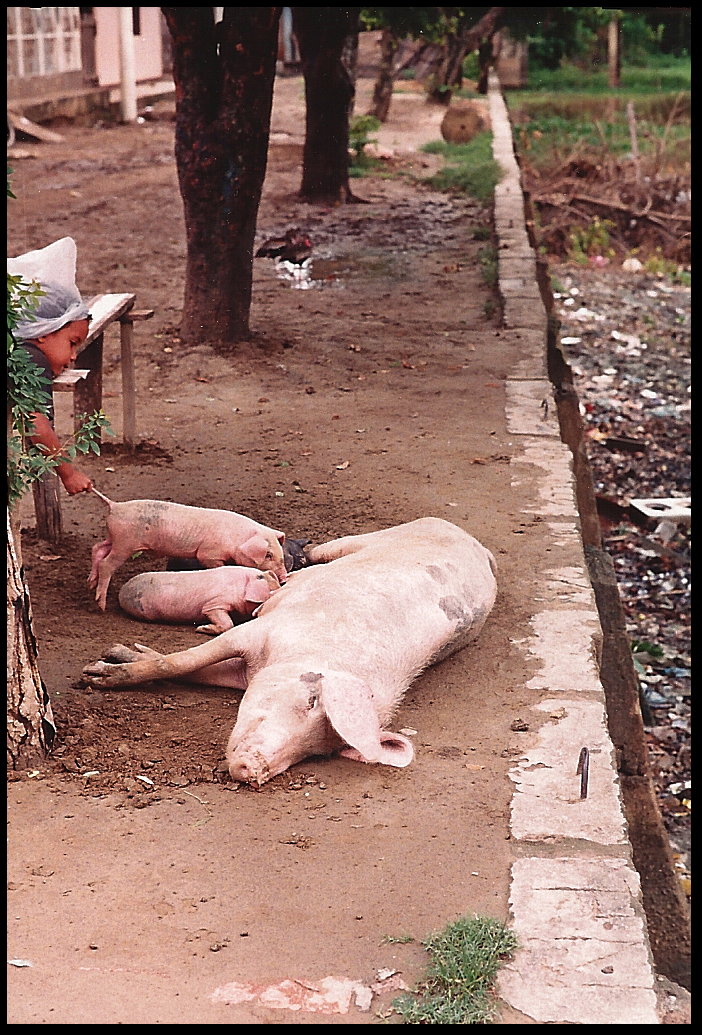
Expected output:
(30, 723)
(322, 34)
(484, 60)
(450, 70)
(382, 91)
(224, 93)
(349, 59)
(449, 75)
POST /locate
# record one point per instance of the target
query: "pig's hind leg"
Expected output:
(107, 563)
(100, 551)
(229, 648)
(336, 548)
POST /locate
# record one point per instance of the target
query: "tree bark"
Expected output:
(382, 91)
(449, 72)
(30, 723)
(224, 78)
(323, 38)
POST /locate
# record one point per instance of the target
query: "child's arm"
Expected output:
(74, 481)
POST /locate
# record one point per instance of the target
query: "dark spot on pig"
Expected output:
(311, 677)
(452, 607)
(137, 601)
(436, 573)
(466, 620)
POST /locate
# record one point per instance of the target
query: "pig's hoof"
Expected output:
(100, 673)
(118, 654)
(142, 650)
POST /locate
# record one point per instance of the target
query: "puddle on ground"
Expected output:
(311, 274)
(320, 273)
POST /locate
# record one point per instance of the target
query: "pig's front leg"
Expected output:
(153, 666)
(219, 622)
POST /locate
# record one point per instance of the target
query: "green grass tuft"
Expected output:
(458, 989)
(470, 168)
(661, 73)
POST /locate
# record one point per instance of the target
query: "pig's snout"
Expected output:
(250, 767)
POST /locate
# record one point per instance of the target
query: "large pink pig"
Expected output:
(214, 537)
(329, 658)
(190, 596)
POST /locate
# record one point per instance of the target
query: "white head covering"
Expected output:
(54, 267)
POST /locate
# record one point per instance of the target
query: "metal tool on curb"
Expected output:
(583, 771)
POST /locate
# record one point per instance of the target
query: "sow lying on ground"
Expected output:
(331, 654)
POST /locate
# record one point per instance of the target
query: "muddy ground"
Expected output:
(368, 397)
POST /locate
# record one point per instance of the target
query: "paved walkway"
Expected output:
(575, 895)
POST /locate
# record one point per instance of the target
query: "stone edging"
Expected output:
(575, 896)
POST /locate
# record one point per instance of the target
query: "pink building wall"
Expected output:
(147, 46)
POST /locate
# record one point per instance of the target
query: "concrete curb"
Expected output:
(575, 896)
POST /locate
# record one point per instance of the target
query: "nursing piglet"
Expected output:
(330, 656)
(214, 537)
(190, 596)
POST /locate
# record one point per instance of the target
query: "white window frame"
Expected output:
(56, 31)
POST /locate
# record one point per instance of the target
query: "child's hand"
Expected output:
(74, 481)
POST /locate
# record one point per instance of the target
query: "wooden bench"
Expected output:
(86, 385)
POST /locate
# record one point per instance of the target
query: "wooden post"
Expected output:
(126, 332)
(614, 52)
(126, 337)
(47, 507)
(634, 139)
(87, 394)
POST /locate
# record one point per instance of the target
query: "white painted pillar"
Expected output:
(127, 66)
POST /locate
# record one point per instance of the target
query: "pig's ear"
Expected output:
(255, 549)
(280, 536)
(349, 705)
(257, 590)
(394, 750)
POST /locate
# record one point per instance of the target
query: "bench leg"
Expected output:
(126, 333)
(87, 394)
(47, 507)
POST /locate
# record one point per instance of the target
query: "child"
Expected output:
(53, 353)
(53, 338)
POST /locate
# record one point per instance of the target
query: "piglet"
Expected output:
(330, 656)
(214, 537)
(190, 596)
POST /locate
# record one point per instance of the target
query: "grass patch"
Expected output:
(458, 988)
(660, 73)
(470, 168)
(360, 129)
(657, 107)
(487, 257)
(553, 128)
